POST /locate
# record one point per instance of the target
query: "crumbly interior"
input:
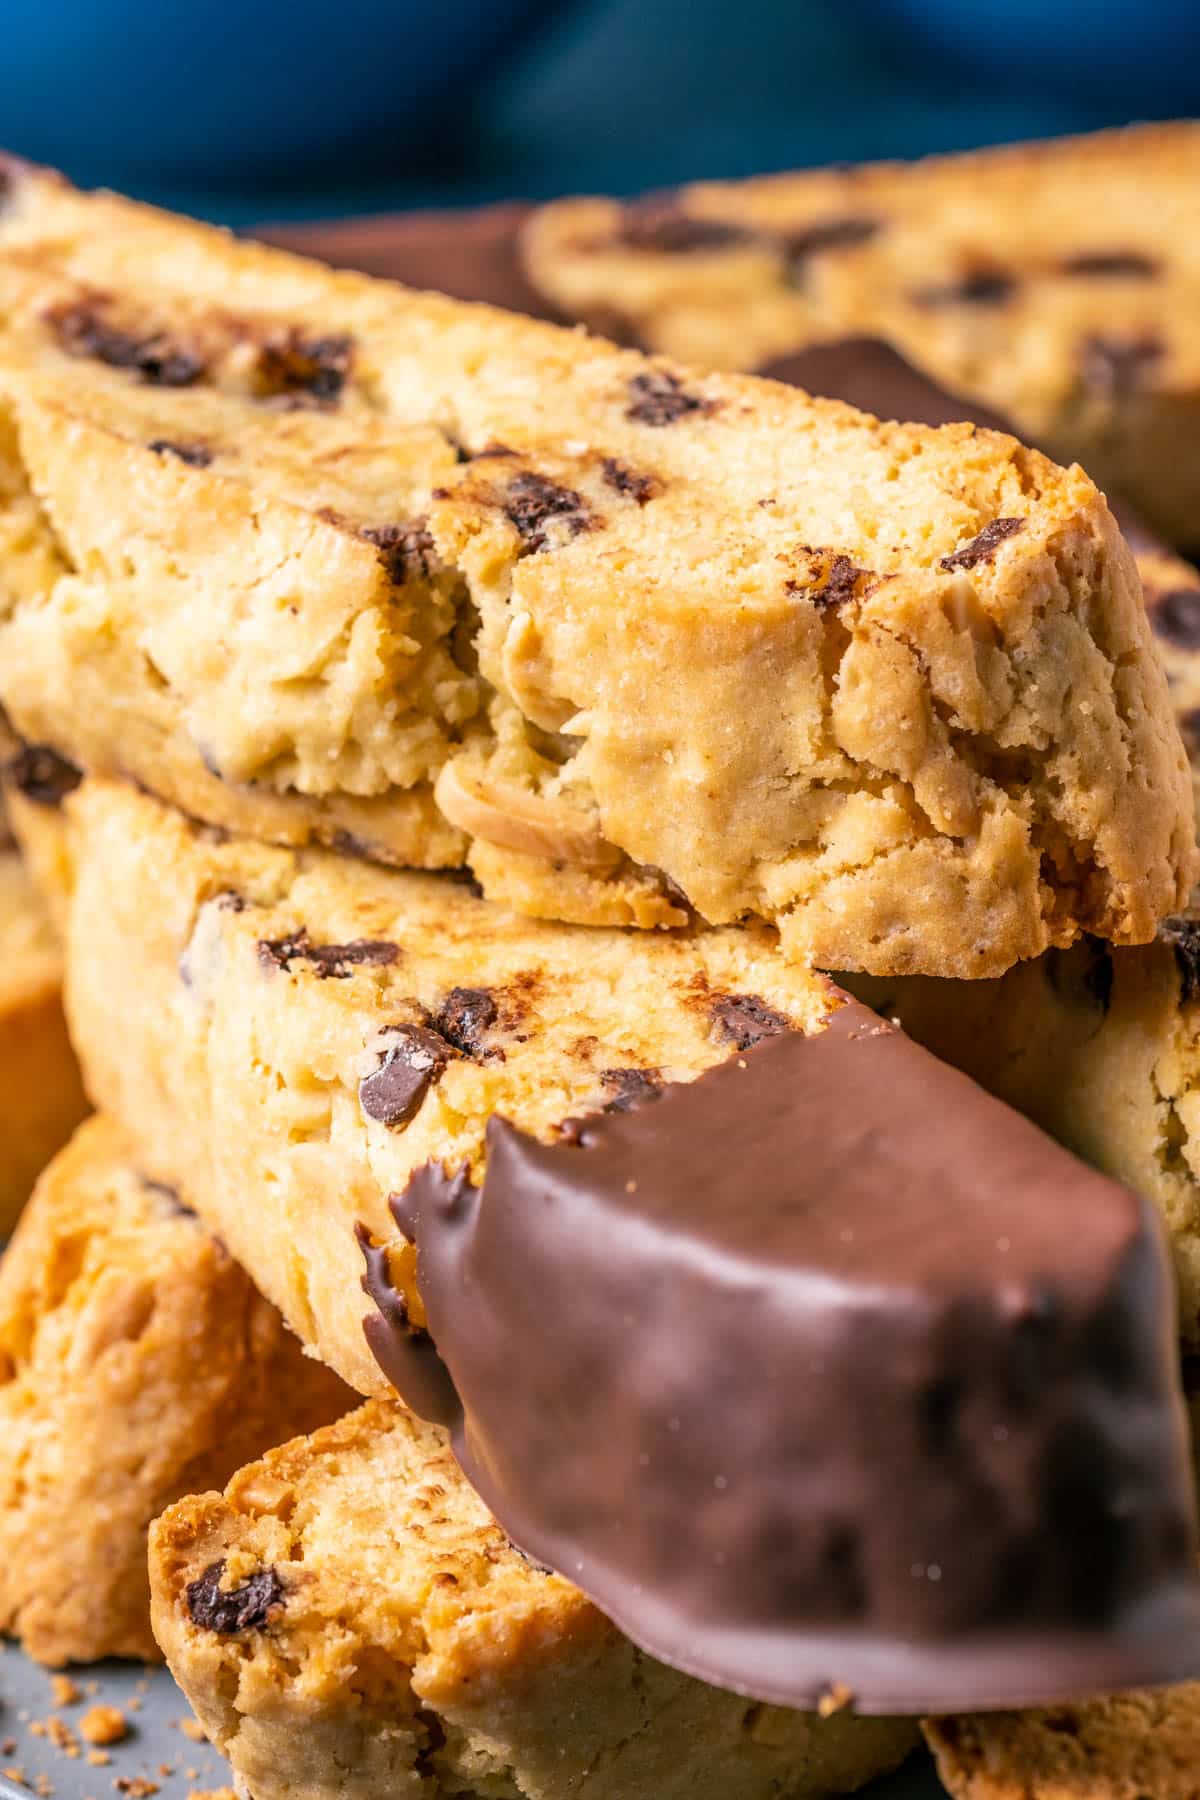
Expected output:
(271, 985)
(318, 557)
(137, 1363)
(402, 1646)
(1056, 282)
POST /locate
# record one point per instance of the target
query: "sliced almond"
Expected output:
(513, 819)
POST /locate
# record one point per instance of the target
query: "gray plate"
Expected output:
(154, 1706)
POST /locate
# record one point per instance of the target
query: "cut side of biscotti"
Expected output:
(137, 1363)
(1057, 282)
(311, 1029)
(346, 1619)
(318, 557)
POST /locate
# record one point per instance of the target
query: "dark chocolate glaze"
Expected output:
(827, 1369)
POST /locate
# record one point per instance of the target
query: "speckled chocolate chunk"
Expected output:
(630, 1088)
(983, 546)
(1175, 617)
(658, 397)
(464, 1019)
(1119, 367)
(661, 224)
(845, 233)
(1183, 936)
(406, 551)
(535, 504)
(317, 368)
(83, 330)
(246, 1607)
(411, 1062)
(744, 1020)
(327, 961)
(1097, 264)
(197, 456)
(633, 483)
(40, 774)
(978, 287)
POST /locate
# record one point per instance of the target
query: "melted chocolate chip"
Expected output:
(978, 287)
(983, 546)
(534, 503)
(826, 234)
(1175, 616)
(42, 775)
(197, 456)
(406, 551)
(247, 1607)
(464, 1018)
(314, 367)
(1183, 935)
(631, 482)
(328, 961)
(1119, 367)
(630, 1088)
(657, 397)
(1099, 263)
(84, 331)
(744, 1020)
(840, 584)
(413, 1060)
(661, 224)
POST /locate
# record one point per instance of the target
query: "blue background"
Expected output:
(243, 108)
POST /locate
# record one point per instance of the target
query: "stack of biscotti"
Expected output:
(715, 1293)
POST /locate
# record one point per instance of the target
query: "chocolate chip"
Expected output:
(1129, 263)
(197, 456)
(1175, 616)
(328, 961)
(463, 1019)
(406, 551)
(745, 1020)
(983, 546)
(1183, 935)
(42, 775)
(978, 287)
(294, 364)
(533, 502)
(826, 234)
(84, 331)
(630, 482)
(627, 1089)
(840, 583)
(1118, 367)
(246, 1607)
(409, 1066)
(658, 397)
(661, 224)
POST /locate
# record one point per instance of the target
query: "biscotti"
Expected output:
(1055, 281)
(41, 1097)
(137, 1363)
(318, 557)
(347, 1620)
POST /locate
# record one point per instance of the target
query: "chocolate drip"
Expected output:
(826, 1370)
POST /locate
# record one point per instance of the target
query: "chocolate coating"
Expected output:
(824, 1370)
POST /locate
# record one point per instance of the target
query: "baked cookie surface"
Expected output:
(347, 1619)
(137, 1363)
(321, 558)
(1054, 281)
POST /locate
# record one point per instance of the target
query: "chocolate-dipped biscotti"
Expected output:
(137, 1364)
(1057, 282)
(347, 1620)
(318, 557)
(524, 1136)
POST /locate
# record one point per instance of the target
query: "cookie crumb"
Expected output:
(99, 1759)
(192, 1728)
(104, 1725)
(14, 1772)
(136, 1786)
(835, 1699)
(65, 1691)
(221, 1793)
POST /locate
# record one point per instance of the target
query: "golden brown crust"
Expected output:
(136, 1363)
(401, 1645)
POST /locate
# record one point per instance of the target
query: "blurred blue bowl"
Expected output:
(1143, 53)
(245, 95)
